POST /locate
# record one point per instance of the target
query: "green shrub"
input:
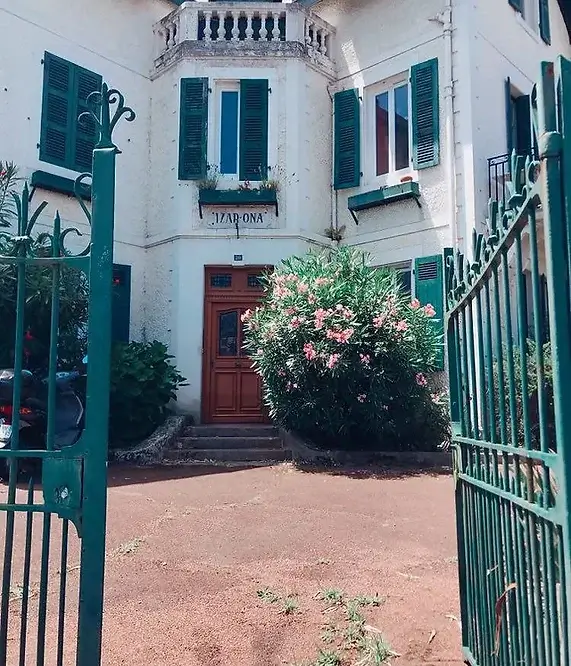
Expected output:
(532, 400)
(343, 355)
(73, 295)
(143, 382)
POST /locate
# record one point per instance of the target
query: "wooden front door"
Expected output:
(231, 388)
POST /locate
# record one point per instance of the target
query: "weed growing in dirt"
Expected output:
(333, 596)
(289, 606)
(329, 633)
(328, 658)
(350, 640)
(268, 596)
(354, 635)
(288, 602)
(353, 613)
(129, 548)
(365, 600)
(375, 651)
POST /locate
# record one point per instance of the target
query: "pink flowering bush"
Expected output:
(345, 356)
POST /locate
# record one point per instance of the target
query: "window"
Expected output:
(229, 126)
(242, 129)
(392, 133)
(530, 12)
(403, 270)
(238, 143)
(401, 128)
(64, 140)
(536, 15)
(426, 283)
(518, 121)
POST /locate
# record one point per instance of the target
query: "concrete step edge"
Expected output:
(229, 443)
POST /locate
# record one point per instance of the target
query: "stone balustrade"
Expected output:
(244, 23)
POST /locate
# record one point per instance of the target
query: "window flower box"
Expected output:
(383, 196)
(243, 197)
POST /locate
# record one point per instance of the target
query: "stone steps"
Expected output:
(257, 456)
(255, 444)
(232, 442)
(231, 431)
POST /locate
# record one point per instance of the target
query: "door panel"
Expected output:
(232, 390)
(225, 391)
(250, 391)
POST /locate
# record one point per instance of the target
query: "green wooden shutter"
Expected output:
(192, 159)
(517, 5)
(425, 115)
(63, 140)
(121, 303)
(347, 160)
(254, 129)
(523, 124)
(85, 132)
(544, 23)
(57, 110)
(429, 288)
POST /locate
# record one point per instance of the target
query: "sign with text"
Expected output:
(255, 218)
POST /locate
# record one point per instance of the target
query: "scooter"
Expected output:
(68, 416)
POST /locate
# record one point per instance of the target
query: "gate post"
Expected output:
(455, 393)
(95, 437)
(555, 148)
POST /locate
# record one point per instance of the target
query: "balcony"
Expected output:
(248, 28)
(499, 175)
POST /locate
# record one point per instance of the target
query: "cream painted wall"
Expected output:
(377, 42)
(503, 45)
(115, 41)
(299, 154)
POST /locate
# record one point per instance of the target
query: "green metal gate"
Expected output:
(509, 352)
(51, 604)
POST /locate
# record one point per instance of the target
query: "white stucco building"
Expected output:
(265, 129)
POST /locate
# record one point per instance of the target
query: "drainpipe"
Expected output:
(445, 19)
(449, 109)
(334, 223)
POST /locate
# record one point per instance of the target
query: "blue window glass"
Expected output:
(229, 132)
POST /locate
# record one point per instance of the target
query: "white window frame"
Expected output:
(530, 15)
(393, 177)
(406, 266)
(226, 180)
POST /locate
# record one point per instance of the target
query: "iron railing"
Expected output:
(498, 176)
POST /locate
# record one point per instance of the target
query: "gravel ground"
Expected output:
(189, 549)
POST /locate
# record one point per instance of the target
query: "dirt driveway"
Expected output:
(190, 549)
(260, 567)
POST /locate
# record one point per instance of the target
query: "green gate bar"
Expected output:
(73, 479)
(511, 423)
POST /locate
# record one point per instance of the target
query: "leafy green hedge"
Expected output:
(143, 382)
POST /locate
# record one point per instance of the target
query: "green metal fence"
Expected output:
(509, 352)
(51, 603)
